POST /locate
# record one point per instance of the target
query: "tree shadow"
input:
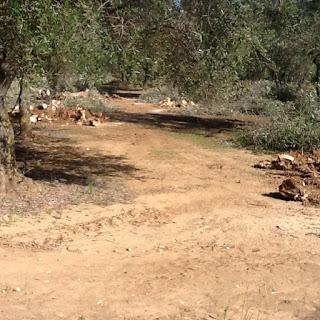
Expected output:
(57, 160)
(277, 196)
(179, 123)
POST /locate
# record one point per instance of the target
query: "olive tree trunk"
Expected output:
(8, 170)
(317, 80)
(23, 102)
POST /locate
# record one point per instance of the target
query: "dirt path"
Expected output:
(199, 240)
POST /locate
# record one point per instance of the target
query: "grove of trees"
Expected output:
(195, 46)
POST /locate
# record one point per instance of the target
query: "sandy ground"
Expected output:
(199, 240)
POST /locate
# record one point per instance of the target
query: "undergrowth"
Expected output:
(92, 102)
(158, 94)
(294, 126)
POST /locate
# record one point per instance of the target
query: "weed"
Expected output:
(91, 183)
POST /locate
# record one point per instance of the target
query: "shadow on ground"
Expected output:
(57, 160)
(277, 196)
(179, 123)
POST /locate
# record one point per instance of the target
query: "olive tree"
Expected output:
(43, 37)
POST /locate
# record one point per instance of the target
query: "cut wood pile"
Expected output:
(302, 171)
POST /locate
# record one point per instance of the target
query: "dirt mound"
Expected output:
(303, 175)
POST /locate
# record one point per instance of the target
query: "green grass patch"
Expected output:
(164, 154)
(216, 141)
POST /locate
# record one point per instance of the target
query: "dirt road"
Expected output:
(198, 240)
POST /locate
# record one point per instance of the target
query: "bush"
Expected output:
(294, 127)
(241, 97)
(284, 93)
(156, 95)
(91, 101)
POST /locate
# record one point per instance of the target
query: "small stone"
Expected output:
(184, 103)
(34, 118)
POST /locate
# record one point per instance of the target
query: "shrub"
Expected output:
(284, 93)
(91, 101)
(294, 127)
(241, 97)
(156, 95)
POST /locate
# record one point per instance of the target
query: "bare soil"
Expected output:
(190, 231)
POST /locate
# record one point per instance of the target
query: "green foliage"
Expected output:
(294, 127)
(92, 102)
(197, 48)
(140, 31)
(159, 94)
(52, 37)
(284, 93)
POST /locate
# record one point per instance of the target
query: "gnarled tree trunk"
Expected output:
(7, 157)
